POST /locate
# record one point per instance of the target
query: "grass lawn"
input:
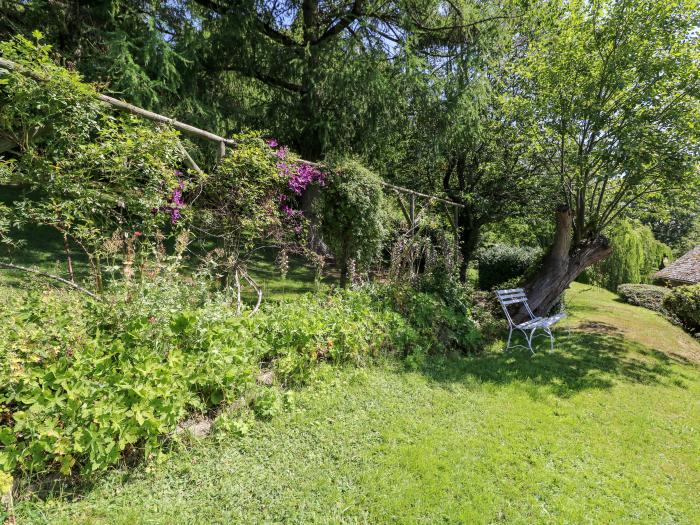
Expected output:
(604, 430)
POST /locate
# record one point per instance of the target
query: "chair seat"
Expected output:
(540, 322)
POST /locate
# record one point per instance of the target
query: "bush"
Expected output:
(502, 262)
(644, 295)
(352, 215)
(684, 303)
(81, 384)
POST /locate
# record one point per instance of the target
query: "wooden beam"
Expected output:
(198, 132)
(189, 161)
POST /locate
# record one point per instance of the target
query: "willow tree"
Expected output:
(610, 89)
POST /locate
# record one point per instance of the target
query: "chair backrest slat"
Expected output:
(512, 290)
(512, 295)
(514, 300)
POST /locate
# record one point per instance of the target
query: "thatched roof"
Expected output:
(685, 269)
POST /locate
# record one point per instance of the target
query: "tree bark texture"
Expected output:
(562, 265)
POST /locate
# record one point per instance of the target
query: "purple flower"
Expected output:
(176, 201)
(291, 212)
(272, 143)
(303, 176)
(282, 152)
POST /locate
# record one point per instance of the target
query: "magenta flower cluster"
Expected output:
(298, 176)
(175, 201)
(303, 176)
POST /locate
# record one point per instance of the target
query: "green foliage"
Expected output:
(84, 172)
(85, 383)
(432, 446)
(503, 263)
(636, 256)
(79, 397)
(240, 198)
(608, 94)
(684, 303)
(645, 295)
(352, 214)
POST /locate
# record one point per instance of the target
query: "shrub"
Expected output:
(502, 262)
(684, 303)
(88, 174)
(81, 384)
(352, 215)
(644, 295)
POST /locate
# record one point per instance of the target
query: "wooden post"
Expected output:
(456, 219)
(222, 150)
(412, 213)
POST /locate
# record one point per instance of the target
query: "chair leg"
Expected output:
(510, 334)
(529, 340)
(551, 340)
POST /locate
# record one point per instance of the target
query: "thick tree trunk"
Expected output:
(562, 265)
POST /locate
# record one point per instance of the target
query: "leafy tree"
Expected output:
(464, 142)
(636, 257)
(610, 91)
(674, 218)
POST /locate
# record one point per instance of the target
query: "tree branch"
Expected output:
(11, 266)
(342, 23)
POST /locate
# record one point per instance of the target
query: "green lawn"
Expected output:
(604, 430)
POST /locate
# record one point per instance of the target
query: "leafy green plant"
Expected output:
(684, 303)
(83, 383)
(352, 215)
(84, 172)
(502, 263)
(636, 256)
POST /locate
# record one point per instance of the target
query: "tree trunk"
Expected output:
(344, 272)
(469, 236)
(562, 265)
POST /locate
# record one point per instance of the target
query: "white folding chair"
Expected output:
(528, 328)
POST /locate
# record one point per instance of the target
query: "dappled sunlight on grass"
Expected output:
(582, 360)
(603, 429)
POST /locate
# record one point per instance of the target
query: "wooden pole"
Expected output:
(198, 132)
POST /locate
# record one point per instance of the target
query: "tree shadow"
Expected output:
(595, 357)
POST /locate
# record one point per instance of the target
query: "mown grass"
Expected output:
(606, 429)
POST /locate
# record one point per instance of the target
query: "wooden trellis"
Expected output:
(410, 210)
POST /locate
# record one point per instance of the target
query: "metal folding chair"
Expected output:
(528, 328)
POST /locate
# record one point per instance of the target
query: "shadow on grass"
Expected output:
(596, 357)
